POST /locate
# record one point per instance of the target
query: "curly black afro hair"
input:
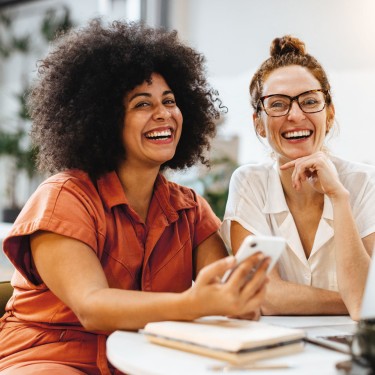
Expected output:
(76, 102)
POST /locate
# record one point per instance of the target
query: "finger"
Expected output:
(293, 163)
(240, 275)
(214, 271)
(256, 314)
(260, 270)
(302, 171)
(295, 177)
(252, 303)
(252, 315)
(257, 279)
(289, 164)
(249, 293)
(256, 300)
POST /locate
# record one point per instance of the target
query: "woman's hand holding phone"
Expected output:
(238, 296)
(242, 291)
(271, 247)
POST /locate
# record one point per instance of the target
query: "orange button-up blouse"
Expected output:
(152, 256)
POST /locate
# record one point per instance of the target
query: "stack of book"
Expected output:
(233, 340)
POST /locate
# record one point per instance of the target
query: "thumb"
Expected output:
(215, 270)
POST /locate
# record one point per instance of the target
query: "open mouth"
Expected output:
(159, 135)
(299, 134)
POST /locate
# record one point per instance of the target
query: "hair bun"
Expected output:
(287, 44)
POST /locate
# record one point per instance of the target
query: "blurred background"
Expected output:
(235, 36)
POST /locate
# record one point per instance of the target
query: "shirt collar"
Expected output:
(111, 190)
(275, 200)
(170, 196)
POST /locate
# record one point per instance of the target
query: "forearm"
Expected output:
(60, 259)
(352, 258)
(286, 298)
(123, 309)
(133, 309)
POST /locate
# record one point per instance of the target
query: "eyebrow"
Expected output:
(166, 92)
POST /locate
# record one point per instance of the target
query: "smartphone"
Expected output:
(270, 246)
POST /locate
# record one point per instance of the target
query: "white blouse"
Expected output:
(257, 202)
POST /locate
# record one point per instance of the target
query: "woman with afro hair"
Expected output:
(106, 242)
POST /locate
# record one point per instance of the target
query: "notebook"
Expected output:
(339, 337)
(233, 340)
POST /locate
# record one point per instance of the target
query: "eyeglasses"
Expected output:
(278, 105)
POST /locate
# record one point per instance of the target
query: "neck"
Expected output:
(138, 186)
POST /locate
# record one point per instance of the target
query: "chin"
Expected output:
(165, 159)
(297, 154)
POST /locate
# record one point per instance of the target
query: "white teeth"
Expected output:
(297, 134)
(162, 134)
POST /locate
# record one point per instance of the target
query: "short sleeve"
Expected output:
(364, 203)
(246, 199)
(206, 222)
(64, 208)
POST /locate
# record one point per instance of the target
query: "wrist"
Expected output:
(190, 306)
(343, 196)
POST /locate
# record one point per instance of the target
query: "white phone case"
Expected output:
(270, 246)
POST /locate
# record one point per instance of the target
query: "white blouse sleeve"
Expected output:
(363, 197)
(246, 199)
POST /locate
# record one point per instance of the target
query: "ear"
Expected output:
(330, 117)
(258, 125)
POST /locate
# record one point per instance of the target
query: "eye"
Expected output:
(169, 101)
(141, 104)
(277, 104)
(310, 102)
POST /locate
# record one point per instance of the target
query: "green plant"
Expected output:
(213, 182)
(53, 23)
(9, 42)
(216, 183)
(15, 143)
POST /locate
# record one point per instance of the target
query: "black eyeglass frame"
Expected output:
(292, 99)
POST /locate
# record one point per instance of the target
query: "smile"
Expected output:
(159, 135)
(300, 134)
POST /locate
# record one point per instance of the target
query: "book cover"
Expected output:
(236, 341)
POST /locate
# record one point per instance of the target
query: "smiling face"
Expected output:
(153, 124)
(296, 134)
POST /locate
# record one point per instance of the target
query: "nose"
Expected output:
(161, 113)
(295, 112)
